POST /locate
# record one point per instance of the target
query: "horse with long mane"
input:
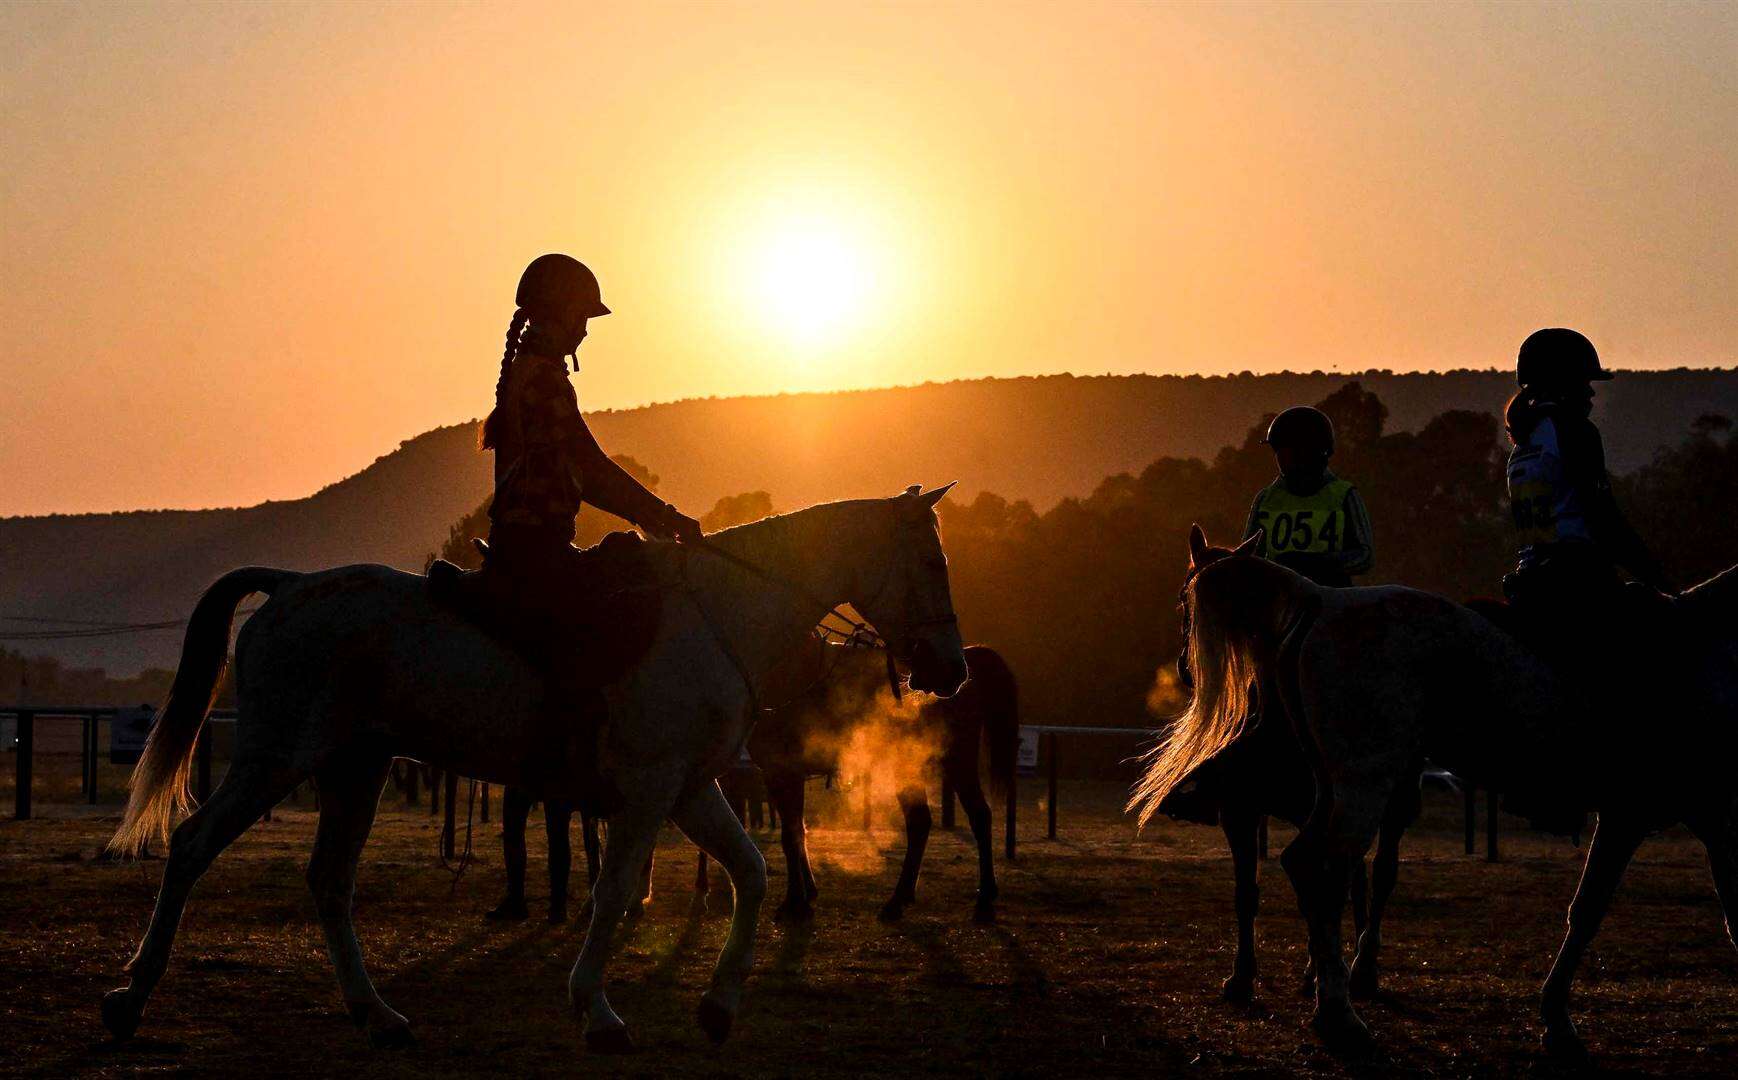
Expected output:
(1265, 772)
(342, 670)
(1373, 678)
(811, 735)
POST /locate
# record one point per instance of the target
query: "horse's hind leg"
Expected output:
(1240, 824)
(633, 832)
(349, 794)
(1613, 845)
(1384, 872)
(964, 775)
(248, 790)
(914, 801)
(706, 819)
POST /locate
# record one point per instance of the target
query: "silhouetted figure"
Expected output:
(1571, 605)
(1312, 521)
(1571, 536)
(562, 607)
(1315, 523)
(557, 817)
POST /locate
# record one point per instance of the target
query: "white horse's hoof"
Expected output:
(609, 1040)
(715, 1019)
(120, 1015)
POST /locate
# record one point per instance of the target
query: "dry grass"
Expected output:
(1106, 962)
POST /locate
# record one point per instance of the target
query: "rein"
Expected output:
(860, 635)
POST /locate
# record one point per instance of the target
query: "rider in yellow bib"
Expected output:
(1311, 520)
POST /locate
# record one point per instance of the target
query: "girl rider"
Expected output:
(1312, 521)
(1572, 538)
(536, 589)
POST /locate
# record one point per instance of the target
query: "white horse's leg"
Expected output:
(1613, 845)
(248, 790)
(707, 819)
(633, 832)
(349, 793)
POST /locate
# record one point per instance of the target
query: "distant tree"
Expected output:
(737, 510)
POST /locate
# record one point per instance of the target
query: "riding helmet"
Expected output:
(1557, 356)
(560, 286)
(1302, 428)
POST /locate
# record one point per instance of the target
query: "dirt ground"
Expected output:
(1106, 960)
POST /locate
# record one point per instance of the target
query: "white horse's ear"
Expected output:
(1197, 545)
(1248, 546)
(930, 498)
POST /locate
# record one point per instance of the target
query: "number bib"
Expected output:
(1314, 523)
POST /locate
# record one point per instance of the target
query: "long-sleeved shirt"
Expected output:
(547, 462)
(1324, 533)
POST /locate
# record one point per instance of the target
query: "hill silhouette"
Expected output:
(1034, 439)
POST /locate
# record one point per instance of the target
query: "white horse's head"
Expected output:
(909, 602)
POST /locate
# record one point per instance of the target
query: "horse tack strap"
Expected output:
(718, 633)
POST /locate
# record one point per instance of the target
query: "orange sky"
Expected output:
(249, 248)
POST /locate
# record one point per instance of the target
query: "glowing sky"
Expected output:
(248, 248)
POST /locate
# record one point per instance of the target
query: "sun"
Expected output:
(813, 280)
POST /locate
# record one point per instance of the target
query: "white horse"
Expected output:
(1375, 678)
(342, 670)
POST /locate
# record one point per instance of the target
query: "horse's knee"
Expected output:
(750, 883)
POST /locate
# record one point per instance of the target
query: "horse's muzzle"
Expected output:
(933, 673)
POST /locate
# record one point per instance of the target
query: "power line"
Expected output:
(93, 629)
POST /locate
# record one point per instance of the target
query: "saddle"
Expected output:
(583, 618)
(593, 616)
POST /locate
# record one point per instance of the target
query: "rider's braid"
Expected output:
(514, 328)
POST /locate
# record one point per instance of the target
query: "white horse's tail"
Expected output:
(158, 789)
(1239, 612)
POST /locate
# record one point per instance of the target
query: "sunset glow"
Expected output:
(317, 212)
(813, 282)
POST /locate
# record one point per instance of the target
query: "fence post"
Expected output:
(868, 800)
(1051, 735)
(1012, 813)
(90, 758)
(1472, 822)
(26, 762)
(946, 802)
(204, 755)
(1491, 827)
(449, 830)
(434, 793)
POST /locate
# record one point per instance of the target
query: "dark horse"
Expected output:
(809, 736)
(830, 692)
(1264, 773)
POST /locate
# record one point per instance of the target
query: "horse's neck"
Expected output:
(764, 621)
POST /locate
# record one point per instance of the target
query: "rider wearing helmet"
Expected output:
(1311, 520)
(1571, 536)
(559, 606)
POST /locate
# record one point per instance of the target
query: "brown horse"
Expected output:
(1265, 773)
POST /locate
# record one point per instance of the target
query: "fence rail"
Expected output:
(1040, 743)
